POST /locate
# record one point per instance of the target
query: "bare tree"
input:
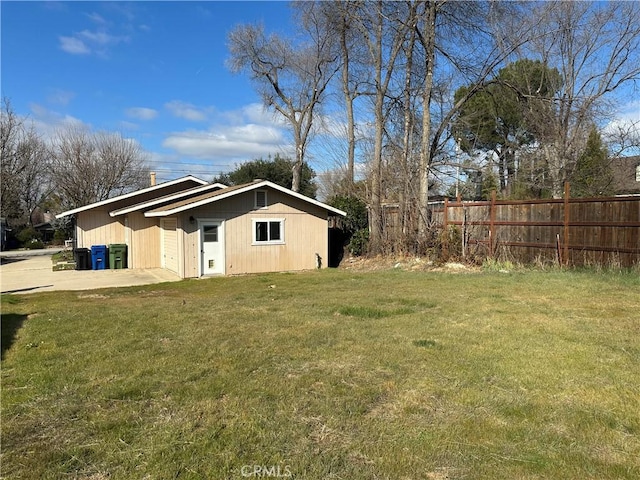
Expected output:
(465, 41)
(12, 165)
(291, 78)
(383, 35)
(596, 49)
(623, 138)
(91, 166)
(341, 17)
(24, 168)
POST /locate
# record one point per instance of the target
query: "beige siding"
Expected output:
(143, 240)
(305, 234)
(96, 227)
(170, 244)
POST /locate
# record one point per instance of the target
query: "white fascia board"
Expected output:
(167, 199)
(189, 206)
(248, 188)
(305, 198)
(130, 194)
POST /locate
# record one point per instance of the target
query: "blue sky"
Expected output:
(154, 71)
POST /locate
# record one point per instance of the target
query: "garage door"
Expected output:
(169, 244)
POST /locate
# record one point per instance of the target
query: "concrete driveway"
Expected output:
(29, 272)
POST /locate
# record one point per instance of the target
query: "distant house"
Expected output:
(46, 231)
(626, 175)
(194, 229)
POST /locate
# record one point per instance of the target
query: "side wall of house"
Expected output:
(143, 241)
(96, 227)
(140, 234)
(305, 234)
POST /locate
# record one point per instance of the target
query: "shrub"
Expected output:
(59, 236)
(28, 235)
(356, 210)
(34, 245)
(355, 224)
(359, 240)
(450, 244)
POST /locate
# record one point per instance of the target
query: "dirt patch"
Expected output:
(371, 264)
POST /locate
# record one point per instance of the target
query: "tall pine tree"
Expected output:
(592, 175)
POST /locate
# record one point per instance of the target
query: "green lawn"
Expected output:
(327, 375)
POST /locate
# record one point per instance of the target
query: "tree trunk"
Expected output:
(297, 169)
(425, 148)
(554, 165)
(348, 98)
(375, 220)
(405, 192)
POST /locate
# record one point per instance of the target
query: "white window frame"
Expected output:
(637, 173)
(255, 200)
(280, 241)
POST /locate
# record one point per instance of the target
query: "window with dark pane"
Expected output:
(210, 233)
(262, 231)
(274, 231)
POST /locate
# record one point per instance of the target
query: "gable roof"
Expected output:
(188, 179)
(210, 197)
(624, 174)
(173, 197)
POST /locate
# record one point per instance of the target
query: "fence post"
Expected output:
(445, 218)
(566, 224)
(492, 220)
(445, 229)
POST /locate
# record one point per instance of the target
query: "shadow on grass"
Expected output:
(11, 323)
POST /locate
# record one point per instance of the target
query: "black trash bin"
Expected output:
(118, 255)
(82, 257)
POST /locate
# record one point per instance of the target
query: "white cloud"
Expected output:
(89, 41)
(47, 122)
(97, 18)
(141, 113)
(256, 113)
(60, 97)
(242, 142)
(129, 126)
(186, 111)
(74, 46)
(627, 117)
(101, 38)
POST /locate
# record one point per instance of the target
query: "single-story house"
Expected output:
(46, 231)
(194, 228)
(626, 175)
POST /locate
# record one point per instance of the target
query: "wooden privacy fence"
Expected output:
(570, 231)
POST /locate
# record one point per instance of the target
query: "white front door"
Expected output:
(212, 247)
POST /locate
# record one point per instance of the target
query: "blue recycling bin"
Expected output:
(99, 257)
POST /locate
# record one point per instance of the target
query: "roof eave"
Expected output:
(129, 195)
(249, 187)
(151, 203)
